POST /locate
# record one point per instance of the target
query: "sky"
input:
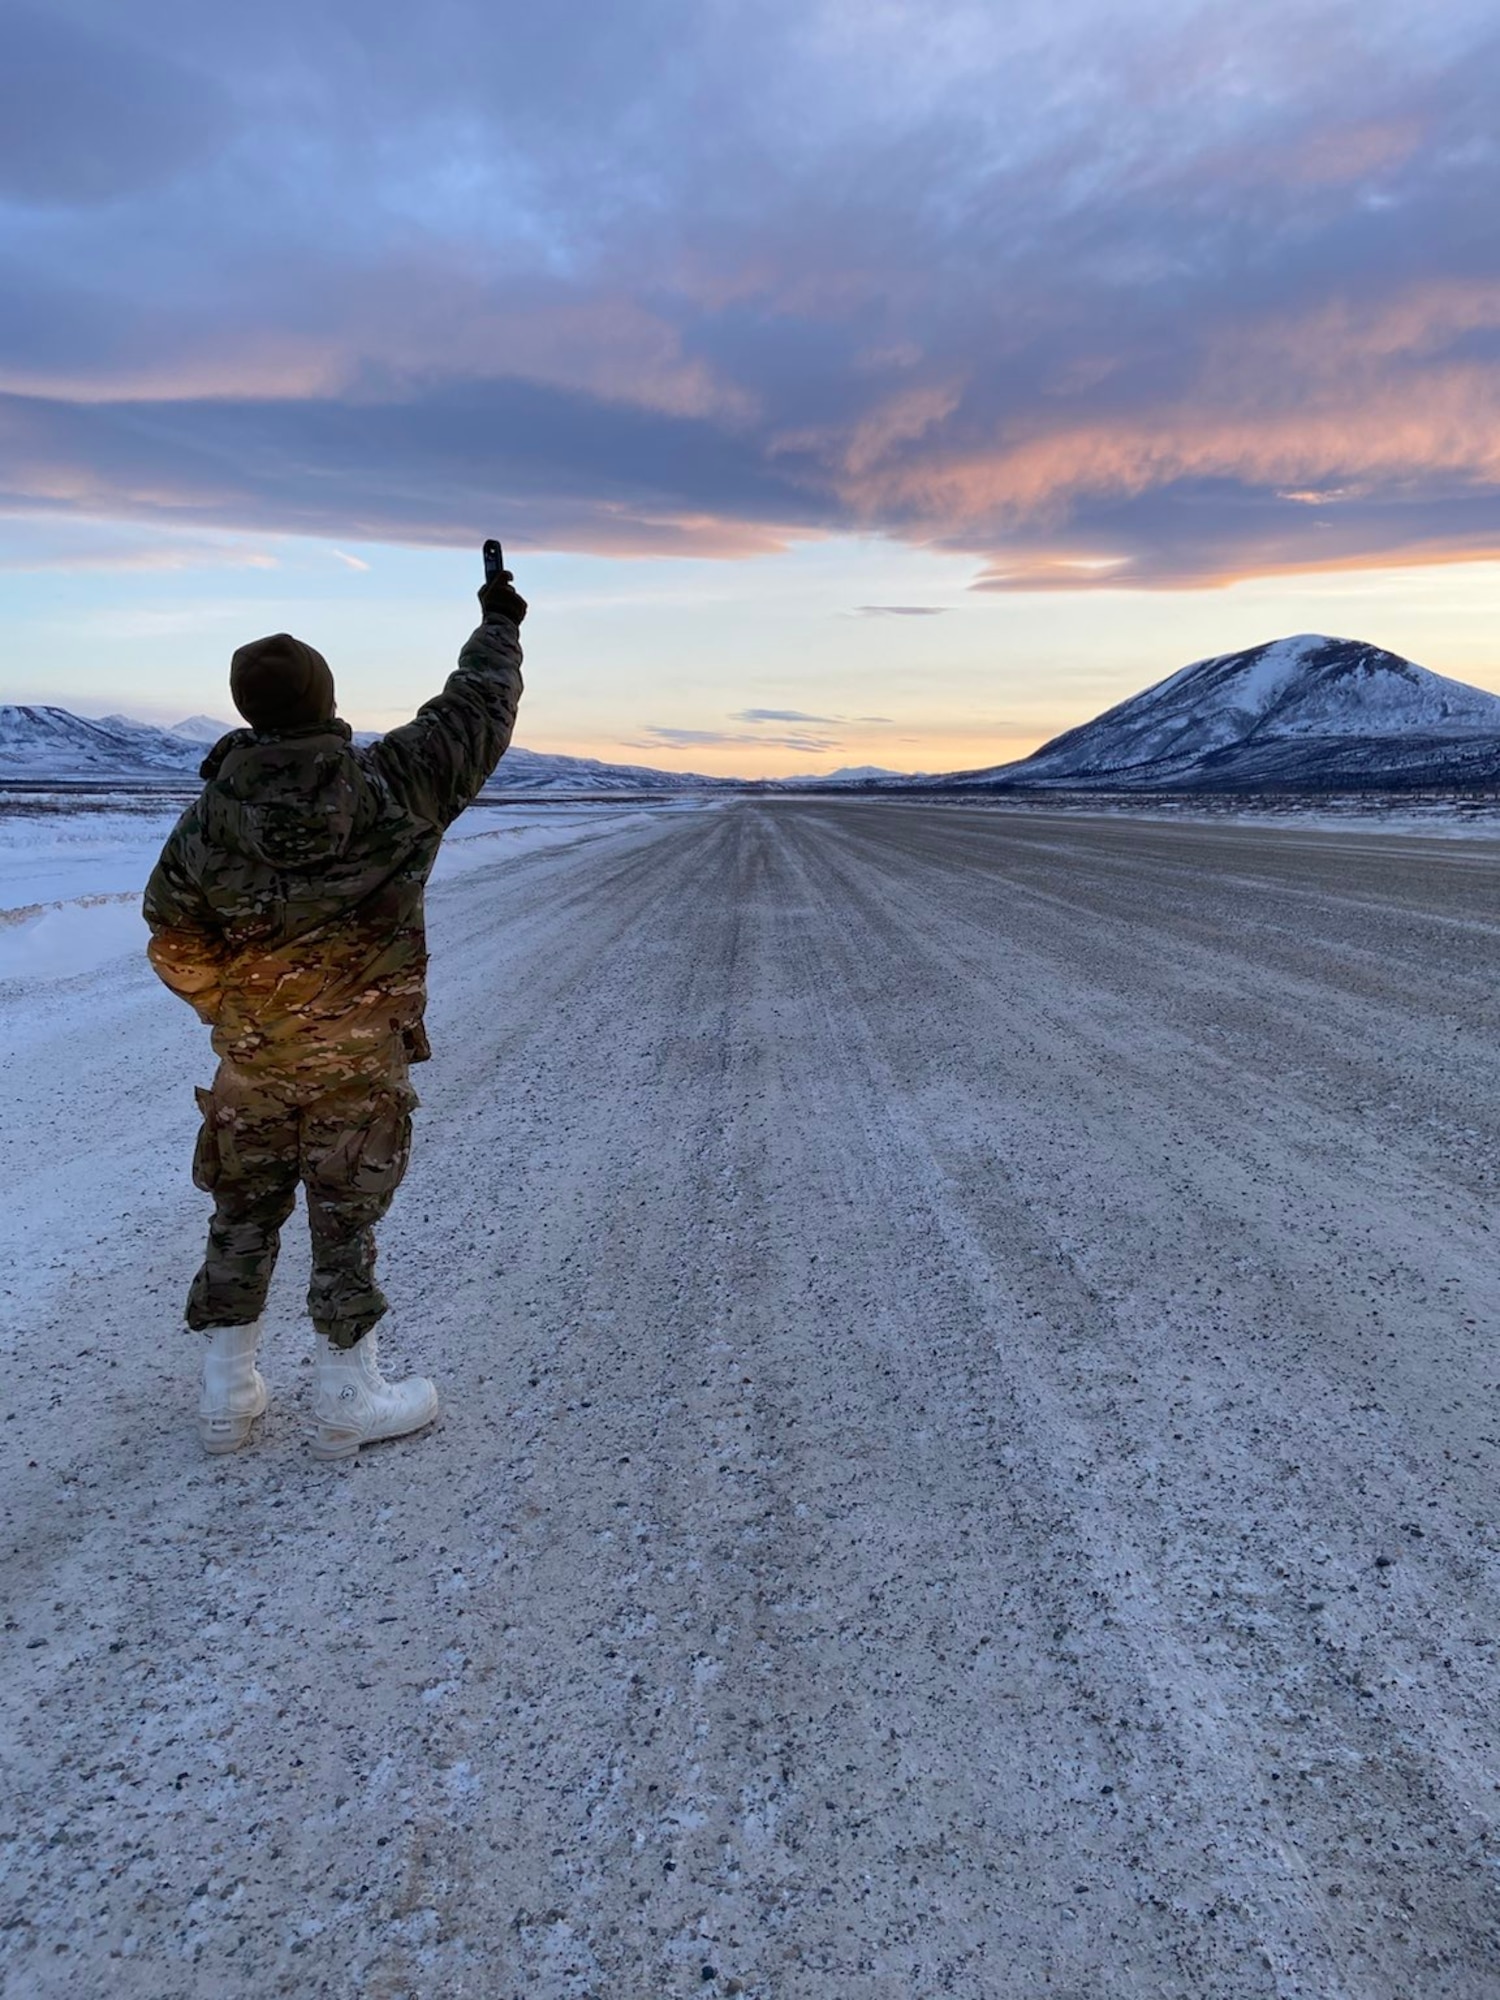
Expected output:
(850, 381)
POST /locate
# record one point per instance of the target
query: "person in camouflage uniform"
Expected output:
(287, 909)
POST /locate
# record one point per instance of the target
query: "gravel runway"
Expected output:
(969, 1463)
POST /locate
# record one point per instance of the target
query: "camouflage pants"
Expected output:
(347, 1143)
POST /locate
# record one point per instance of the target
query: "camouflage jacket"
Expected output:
(287, 906)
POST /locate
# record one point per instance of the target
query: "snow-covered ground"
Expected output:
(71, 880)
(1436, 819)
(969, 1454)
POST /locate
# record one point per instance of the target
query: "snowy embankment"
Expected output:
(71, 877)
(1434, 819)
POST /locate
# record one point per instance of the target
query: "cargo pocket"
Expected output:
(363, 1144)
(207, 1165)
(381, 1160)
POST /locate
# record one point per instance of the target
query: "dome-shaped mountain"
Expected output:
(1307, 711)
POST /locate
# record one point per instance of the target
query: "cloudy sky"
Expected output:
(852, 381)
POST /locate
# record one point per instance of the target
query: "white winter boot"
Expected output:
(234, 1392)
(355, 1405)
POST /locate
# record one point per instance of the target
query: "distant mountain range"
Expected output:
(536, 771)
(52, 745)
(47, 743)
(1304, 714)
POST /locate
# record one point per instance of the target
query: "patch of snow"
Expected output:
(50, 857)
(1266, 674)
(67, 939)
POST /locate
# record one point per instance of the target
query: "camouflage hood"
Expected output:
(292, 800)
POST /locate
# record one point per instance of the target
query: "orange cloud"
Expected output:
(1324, 409)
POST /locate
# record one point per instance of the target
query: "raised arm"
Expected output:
(187, 948)
(437, 763)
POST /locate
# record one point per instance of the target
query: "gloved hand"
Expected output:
(500, 599)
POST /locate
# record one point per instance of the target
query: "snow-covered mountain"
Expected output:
(41, 745)
(202, 728)
(537, 771)
(847, 774)
(1308, 712)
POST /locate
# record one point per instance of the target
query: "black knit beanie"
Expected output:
(281, 683)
